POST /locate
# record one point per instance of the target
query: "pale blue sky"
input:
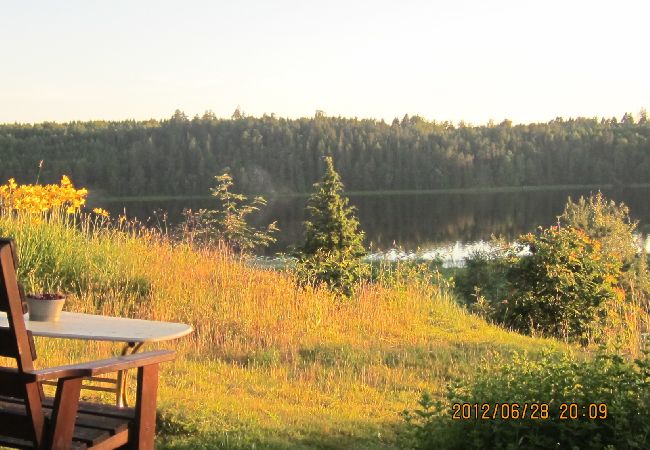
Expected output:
(466, 60)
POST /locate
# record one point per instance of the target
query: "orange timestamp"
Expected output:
(532, 411)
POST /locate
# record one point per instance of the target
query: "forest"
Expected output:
(268, 154)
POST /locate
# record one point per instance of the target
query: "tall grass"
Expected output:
(269, 364)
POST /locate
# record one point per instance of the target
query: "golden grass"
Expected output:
(269, 364)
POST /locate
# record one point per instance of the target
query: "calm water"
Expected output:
(417, 222)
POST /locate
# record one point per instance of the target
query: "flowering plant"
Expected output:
(47, 296)
(37, 206)
(37, 198)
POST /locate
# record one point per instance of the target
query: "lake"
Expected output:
(447, 223)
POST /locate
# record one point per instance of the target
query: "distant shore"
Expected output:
(472, 190)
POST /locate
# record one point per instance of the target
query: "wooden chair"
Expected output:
(28, 419)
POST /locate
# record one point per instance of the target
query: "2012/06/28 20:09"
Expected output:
(533, 411)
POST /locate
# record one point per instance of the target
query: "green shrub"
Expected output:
(338, 270)
(558, 282)
(606, 221)
(584, 280)
(611, 224)
(563, 286)
(623, 386)
(228, 224)
(484, 277)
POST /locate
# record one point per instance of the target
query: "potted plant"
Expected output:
(45, 306)
(45, 300)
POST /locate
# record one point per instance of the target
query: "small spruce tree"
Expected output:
(333, 242)
(331, 223)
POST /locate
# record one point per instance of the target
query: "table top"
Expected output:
(104, 328)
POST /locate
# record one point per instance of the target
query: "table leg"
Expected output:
(120, 395)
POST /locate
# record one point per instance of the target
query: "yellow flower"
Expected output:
(620, 293)
(42, 198)
(101, 212)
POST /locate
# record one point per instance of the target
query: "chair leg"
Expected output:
(33, 403)
(145, 407)
(64, 412)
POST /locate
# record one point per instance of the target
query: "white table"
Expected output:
(134, 333)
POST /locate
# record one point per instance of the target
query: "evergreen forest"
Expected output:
(180, 156)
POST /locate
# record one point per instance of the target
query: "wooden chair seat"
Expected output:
(95, 423)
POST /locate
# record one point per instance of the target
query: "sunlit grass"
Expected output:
(269, 364)
(273, 365)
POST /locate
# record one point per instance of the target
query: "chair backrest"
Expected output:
(17, 343)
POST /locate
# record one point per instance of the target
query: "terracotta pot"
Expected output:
(45, 307)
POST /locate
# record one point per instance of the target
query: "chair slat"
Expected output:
(90, 436)
(4, 303)
(11, 383)
(99, 409)
(11, 296)
(96, 415)
(4, 300)
(8, 347)
(13, 415)
(7, 441)
(12, 418)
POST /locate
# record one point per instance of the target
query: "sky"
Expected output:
(471, 60)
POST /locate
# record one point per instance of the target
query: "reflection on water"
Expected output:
(423, 222)
(451, 255)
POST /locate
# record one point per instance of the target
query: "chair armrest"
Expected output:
(93, 368)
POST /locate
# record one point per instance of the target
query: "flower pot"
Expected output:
(45, 307)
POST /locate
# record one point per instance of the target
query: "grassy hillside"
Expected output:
(269, 365)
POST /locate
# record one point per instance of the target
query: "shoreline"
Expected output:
(472, 190)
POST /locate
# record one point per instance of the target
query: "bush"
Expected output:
(338, 270)
(483, 281)
(563, 287)
(611, 224)
(584, 280)
(558, 282)
(623, 386)
(606, 221)
(229, 224)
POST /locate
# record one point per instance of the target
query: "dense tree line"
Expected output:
(270, 154)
